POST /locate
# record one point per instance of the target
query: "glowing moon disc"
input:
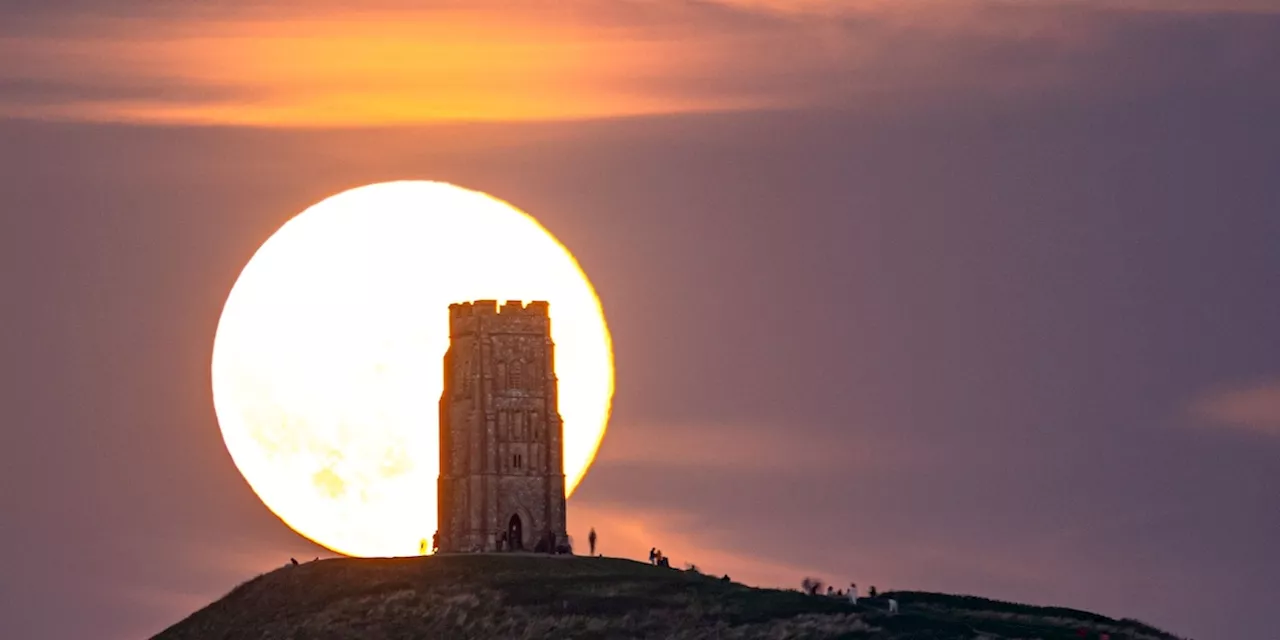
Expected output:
(327, 363)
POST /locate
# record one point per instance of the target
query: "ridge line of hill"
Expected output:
(529, 596)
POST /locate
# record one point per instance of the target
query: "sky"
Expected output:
(964, 296)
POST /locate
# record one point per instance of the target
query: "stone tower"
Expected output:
(501, 440)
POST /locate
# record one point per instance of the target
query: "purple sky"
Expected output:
(981, 301)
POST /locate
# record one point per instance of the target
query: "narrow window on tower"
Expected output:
(517, 372)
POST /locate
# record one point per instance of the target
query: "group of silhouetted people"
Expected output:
(657, 559)
(813, 587)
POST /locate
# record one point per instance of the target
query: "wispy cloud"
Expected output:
(845, 7)
(1253, 408)
(381, 68)
(630, 533)
(717, 543)
(764, 449)
(287, 63)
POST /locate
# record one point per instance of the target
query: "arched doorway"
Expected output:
(515, 534)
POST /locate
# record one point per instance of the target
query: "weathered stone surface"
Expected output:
(501, 438)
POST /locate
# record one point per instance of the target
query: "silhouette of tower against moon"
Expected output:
(501, 438)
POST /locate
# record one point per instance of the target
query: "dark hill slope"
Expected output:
(528, 596)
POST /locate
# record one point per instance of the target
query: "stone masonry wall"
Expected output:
(501, 437)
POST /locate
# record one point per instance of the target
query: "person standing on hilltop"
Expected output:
(853, 593)
(591, 540)
(653, 555)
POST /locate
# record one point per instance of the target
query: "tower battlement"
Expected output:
(512, 316)
(490, 307)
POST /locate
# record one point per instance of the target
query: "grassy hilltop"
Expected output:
(529, 596)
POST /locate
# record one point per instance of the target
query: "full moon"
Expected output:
(328, 357)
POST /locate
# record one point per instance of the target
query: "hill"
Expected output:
(531, 596)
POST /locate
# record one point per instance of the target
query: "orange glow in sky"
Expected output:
(361, 69)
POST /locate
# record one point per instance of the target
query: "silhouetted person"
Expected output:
(872, 591)
(591, 540)
(893, 605)
(294, 561)
(725, 578)
(831, 591)
(853, 592)
(435, 541)
(653, 555)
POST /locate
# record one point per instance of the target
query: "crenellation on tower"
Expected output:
(501, 479)
(512, 317)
